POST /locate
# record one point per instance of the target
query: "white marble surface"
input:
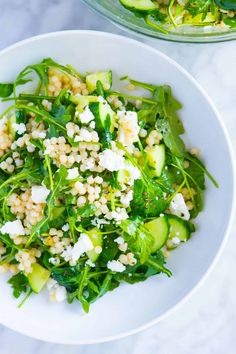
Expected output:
(207, 323)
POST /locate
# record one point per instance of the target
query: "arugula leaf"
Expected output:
(86, 211)
(156, 263)
(8, 242)
(197, 165)
(171, 137)
(19, 283)
(107, 136)
(138, 237)
(147, 199)
(6, 90)
(197, 174)
(69, 277)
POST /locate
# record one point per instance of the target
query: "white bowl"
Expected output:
(131, 308)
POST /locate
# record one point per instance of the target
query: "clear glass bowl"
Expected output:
(115, 12)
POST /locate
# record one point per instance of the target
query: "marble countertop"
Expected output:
(207, 323)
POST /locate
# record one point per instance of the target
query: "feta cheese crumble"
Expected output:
(39, 194)
(65, 227)
(116, 266)
(19, 128)
(86, 116)
(57, 293)
(90, 263)
(83, 245)
(178, 207)
(72, 173)
(13, 228)
(119, 240)
(111, 160)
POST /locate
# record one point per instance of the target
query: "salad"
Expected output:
(96, 186)
(166, 15)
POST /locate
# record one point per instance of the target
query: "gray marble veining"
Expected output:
(207, 323)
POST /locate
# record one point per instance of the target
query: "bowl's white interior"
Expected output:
(129, 307)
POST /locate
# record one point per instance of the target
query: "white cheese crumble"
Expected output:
(116, 266)
(65, 227)
(83, 245)
(19, 128)
(57, 292)
(119, 240)
(126, 199)
(128, 130)
(86, 116)
(39, 194)
(54, 260)
(111, 160)
(72, 173)
(178, 207)
(175, 241)
(13, 228)
(90, 263)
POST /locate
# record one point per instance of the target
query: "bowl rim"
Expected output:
(233, 167)
(214, 37)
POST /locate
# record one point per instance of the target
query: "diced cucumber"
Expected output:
(139, 5)
(11, 121)
(38, 277)
(159, 228)
(105, 77)
(82, 101)
(101, 111)
(179, 229)
(97, 240)
(156, 158)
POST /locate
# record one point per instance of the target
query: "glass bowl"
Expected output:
(115, 12)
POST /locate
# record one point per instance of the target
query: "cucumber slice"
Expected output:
(11, 121)
(139, 5)
(159, 228)
(105, 77)
(82, 101)
(156, 159)
(179, 229)
(38, 278)
(97, 240)
(101, 110)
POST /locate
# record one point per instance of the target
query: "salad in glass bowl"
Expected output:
(175, 20)
(165, 15)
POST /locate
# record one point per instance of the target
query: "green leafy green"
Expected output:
(6, 90)
(55, 224)
(19, 283)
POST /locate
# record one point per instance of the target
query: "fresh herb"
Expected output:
(19, 284)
